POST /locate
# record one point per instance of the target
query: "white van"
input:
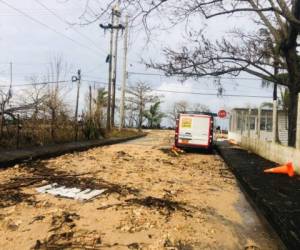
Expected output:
(194, 130)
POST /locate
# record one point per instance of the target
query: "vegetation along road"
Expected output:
(153, 200)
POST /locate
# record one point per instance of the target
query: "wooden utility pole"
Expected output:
(11, 75)
(122, 105)
(90, 101)
(112, 63)
(78, 80)
(109, 60)
(18, 130)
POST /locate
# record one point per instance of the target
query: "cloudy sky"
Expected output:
(31, 35)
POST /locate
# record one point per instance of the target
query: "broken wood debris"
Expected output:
(73, 193)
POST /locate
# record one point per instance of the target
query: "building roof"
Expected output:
(255, 110)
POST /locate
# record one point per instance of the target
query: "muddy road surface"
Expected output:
(153, 199)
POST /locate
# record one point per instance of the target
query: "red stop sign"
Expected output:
(222, 113)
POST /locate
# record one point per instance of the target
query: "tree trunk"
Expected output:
(141, 111)
(2, 119)
(292, 117)
(140, 118)
(294, 88)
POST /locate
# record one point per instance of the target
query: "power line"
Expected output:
(210, 94)
(204, 77)
(42, 10)
(47, 26)
(34, 84)
(207, 77)
(193, 93)
(225, 83)
(25, 63)
(155, 90)
(65, 22)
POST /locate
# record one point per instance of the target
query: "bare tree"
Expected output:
(131, 114)
(178, 107)
(56, 72)
(36, 95)
(183, 106)
(198, 107)
(5, 98)
(139, 95)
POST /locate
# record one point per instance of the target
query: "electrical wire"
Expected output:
(154, 90)
(209, 77)
(65, 22)
(48, 27)
(210, 94)
(24, 63)
(33, 84)
(193, 93)
(235, 85)
(204, 77)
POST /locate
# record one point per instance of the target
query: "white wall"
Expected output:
(272, 151)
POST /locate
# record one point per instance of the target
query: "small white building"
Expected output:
(244, 121)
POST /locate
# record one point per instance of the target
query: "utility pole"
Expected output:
(112, 65)
(122, 105)
(109, 60)
(90, 101)
(11, 75)
(78, 80)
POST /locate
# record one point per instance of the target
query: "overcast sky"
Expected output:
(29, 45)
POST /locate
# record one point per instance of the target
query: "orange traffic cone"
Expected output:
(287, 168)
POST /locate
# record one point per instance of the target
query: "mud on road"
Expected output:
(153, 200)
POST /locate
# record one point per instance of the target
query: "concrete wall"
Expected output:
(237, 135)
(271, 151)
(283, 129)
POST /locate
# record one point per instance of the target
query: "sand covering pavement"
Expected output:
(153, 200)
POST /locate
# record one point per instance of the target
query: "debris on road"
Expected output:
(153, 200)
(73, 193)
(64, 235)
(166, 207)
(172, 151)
(177, 151)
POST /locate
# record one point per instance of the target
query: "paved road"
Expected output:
(153, 200)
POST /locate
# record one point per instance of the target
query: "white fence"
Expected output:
(265, 143)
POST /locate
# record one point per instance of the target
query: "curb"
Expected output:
(56, 150)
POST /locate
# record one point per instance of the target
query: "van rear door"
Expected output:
(194, 130)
